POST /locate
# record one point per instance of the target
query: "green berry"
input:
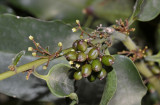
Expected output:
(102, 74)
(74, 45)
(77, 75)
(86, 70)
(96, 65)
(107, 60)
(93, 54)
(81, 57)
(91, 78)
(82, 45)
(72, 55)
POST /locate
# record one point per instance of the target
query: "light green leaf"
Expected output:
(136, 10)
(130, 89)
(110, 88)
(59, 82)
(145, 10)
(150, 10)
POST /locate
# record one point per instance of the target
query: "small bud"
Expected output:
(77, 21)
(146, 47)
(81, 36)
(74, 29)
(77, 65)
(85, 40)
(60, 44)
(140, 50)
(44, 67)
(30, 48)
(27, 78)
(71, 62)
(31, 37)
(34, 54)
(72, 50)
(37, 44)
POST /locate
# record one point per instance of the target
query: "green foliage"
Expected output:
(121, 83)
(145, 10)
(58, 80)
(17, 58)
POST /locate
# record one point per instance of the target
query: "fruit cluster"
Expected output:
(88, 63)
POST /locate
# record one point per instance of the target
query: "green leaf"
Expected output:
(14, 32)
(130, 89)
(59, 82)
(145, 10)
(110, 88)
(150, 10)
(136, 10)
(17, 58)
(69, 10)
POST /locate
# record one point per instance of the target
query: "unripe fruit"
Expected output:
(74, 45)
(93, 54)
(96, 65)
(102, 74)
(91, 78)
(81, 57)
(107, 60)
(72, 55)
(77, 75)
(82, 45)
(86, 70)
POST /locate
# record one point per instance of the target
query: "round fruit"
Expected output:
(72, 55)
(91, 78)
(74, 45)
(107, 60)
(86, 70)
(102, 74)
(77, 75)
(82, 45)
(81, 57)
(93, 54)
(96, 65)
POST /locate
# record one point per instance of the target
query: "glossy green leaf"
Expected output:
(130, 89)
(110, 88)
(150, 10)
(59, 82)
(136, 10)
(69, 10)
(145, 10)
(14, 32)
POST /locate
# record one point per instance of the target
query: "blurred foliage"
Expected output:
(90, 12)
